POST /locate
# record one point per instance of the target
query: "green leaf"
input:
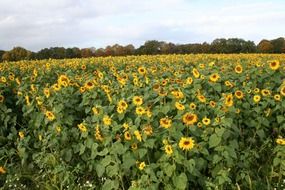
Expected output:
(112, 170)
(103, 152)
(82, 149)
(68, 155)
(106, 161)
(100, 170)
(128, 161)
(180, 182)
(214, 140)
(94, 150)
(118, 148)
(280, 119)
(109, 184)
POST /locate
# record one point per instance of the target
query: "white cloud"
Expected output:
(84, 23)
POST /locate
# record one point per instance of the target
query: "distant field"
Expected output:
(144, 122)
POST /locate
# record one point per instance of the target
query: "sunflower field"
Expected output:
(143, 122)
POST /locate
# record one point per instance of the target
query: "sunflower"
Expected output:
(189, 119)
(168, 149)
(164, 82)
(265, 92)
(238, 69)
(21, 134)
(107, 120)
(123, 104)
(192, 106)
(228, 84)
(50, 115)
(280, 141)
(217, 119)
(98, 135)
(58, 129)
(38, 99)
(277, 97)
(46, 92)
(206, 121)
(141, 165)
(179, 106)
(282, 90)
(189, 80)
(186, 143)
(89, 85)
(199, 124)
(214, 77)
(63, 80)
(3, 79)
(256, 98)
(140, 110)
(34, 88)
(2, 170)
(256, 90)
(142, 70)
(148, 130)
(137, 100)
(202, 98)
(95, 110)
(229, 100)
(212, 104)
(56, 87)
(82, 127)
(177, 94)
(27, 98)
(134, 146)
(126, 126)
(274, 65)
(239, 94)
(1, 98)
(127, 136)
(196, 73)
(138, 135)
(156, 87)
(120, 110)
(165, 122)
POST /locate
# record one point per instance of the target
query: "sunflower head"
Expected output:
(186, 143)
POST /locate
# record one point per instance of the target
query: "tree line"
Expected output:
(152, 47)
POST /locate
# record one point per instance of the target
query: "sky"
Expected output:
(37, 24)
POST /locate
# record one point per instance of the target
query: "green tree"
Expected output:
(16, 54)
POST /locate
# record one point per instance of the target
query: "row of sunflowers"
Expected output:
(144, 122)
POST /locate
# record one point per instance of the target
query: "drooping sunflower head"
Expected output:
(195, 73)
(282, 90)
(1, 98)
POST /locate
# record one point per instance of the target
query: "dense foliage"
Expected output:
(143, 122)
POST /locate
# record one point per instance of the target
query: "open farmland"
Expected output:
(144, 122)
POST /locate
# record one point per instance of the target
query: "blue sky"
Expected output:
(36, 24)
